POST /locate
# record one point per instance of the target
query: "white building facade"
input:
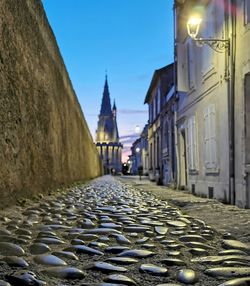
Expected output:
(213, 113)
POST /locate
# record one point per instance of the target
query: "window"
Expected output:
(158, 100)
(192, 144)
(155, 107)
(210, 137)
(246, 12)
(150, 112)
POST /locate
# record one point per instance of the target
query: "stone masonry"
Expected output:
(44, 138)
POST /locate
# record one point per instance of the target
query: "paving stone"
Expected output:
(161, 229)
(198, 245)
(187, 276)
(176, 223)
(228, 271)
(220, 259)
(103, 231)
(111, 225)
(227, 243)
(192, 238)
(50, 260)
(136, 229)
(122, 239)
(65, 255)
(24, 278)
(232, 252)
(168, 284)
(49, 240)
(116, 249)
(15, 261)
(122, 260)
(137, 253)
(173, 261)
(10, 249)
(77, 241)
(198, 251)
(154, 269)
(39, 248)
(107, 267)
(237, 282)
(120, 279)
(88, 237)
(64, 272)
(98, 244)
(83, 249)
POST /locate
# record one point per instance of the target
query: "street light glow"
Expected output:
(137, 129)
(137, 149)
(193, 26)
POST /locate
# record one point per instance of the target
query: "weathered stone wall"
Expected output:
(44, 138)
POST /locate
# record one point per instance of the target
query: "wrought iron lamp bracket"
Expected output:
(218, 45)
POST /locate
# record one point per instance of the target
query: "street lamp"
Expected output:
(137, 149)
(137, 129)
(218, 45)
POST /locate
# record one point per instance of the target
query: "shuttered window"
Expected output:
(192, 144)
(210, 137)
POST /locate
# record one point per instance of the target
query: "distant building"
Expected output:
(136, 158)
(139, 153)
(107, 136)
(144, 149)
(161, 154)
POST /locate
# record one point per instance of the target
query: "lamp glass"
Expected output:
(193, 26)
(137, 149)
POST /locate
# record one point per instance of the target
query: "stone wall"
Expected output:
(44, 139)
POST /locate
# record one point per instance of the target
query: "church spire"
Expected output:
(106, 105)
(114, 109)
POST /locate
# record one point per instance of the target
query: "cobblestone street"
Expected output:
(122, 231)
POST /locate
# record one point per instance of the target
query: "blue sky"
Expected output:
(128, 38)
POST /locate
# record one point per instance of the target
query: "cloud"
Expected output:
(132, 111)
(128, 139)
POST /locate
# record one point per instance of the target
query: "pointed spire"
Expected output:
(106, 105)
(114, 106)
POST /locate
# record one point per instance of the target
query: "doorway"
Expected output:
(183, 160)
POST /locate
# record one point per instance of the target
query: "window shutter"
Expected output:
(189, 145)
(213, 136)
(194, 141)
(207, 137)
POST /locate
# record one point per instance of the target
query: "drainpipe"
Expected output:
(230, 17)
(177, 177)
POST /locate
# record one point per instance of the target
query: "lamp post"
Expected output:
(218, 45)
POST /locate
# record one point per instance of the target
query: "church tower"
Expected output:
(107, 136)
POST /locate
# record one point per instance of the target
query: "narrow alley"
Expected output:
(115, 231)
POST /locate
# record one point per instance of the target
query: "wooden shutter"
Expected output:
(213, 136)
(207, 137)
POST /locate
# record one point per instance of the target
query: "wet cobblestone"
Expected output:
(109, 233)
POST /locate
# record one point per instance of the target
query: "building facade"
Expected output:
(213, 92)
(159, 130)
(139, 153)
(107, 136)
